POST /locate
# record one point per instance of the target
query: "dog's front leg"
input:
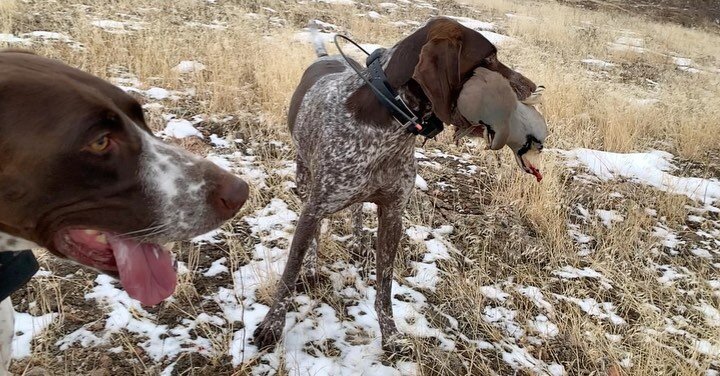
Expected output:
(7, 330)
(389, 233)
(270, 330)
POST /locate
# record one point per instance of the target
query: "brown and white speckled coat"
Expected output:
(350, 150)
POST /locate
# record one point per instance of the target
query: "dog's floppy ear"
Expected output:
(438, 74)
(448, 57)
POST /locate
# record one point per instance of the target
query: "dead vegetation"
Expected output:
(511, 234)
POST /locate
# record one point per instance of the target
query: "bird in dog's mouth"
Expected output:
(490, 104)
(147, 271)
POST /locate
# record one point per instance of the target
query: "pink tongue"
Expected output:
(146, 270)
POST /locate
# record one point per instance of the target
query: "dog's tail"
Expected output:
(317, 42)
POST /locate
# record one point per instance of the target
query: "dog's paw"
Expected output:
(398, 345)
(267, 334)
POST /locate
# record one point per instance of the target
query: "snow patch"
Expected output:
(27, 327)
(569, 272)
(598, 63)
(420, 183)
(474, 24)
(180, 128)
(189, 66)
(645, 168)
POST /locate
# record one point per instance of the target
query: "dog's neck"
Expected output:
(399, 64)
(13, 243)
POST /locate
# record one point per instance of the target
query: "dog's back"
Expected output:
(319, 69)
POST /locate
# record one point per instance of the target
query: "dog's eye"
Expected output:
(100, 145)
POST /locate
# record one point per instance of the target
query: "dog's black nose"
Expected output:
(229, 196)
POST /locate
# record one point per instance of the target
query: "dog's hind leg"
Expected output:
(7, 331)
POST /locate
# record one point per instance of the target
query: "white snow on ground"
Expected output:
(601, 310)
(520, 17)
(306, 37)
(126, 314)
(543, 326)
(117, 27)
(712, 315)
(668, 238)
(189, 66)
(219, 142)
(427, 273)
(12, 39)
(420, 183)
(495, 38)
(569, 272)
(249, 167)
(217, 267)
(213, 237)
(157, 93)
(535, 295)
(474, 24)
(651, 168)
(493, 292)
(608, 217)
(627, 43)
(48, 36)
(388, 6)
(110, 25)
(669, 275)
(484, 28)
(314, 328)
(341, 2)
(180, 128)
(685, 64)
(44, 37)
(27, 327)
(598, 63)
(582, 239)
(326, 26)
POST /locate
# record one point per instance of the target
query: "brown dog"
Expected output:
(82, 175)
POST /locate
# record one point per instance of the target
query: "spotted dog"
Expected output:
(350, 149)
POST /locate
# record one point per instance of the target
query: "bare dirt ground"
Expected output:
(608, 267)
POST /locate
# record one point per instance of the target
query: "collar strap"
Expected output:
(428, 126)
(16, 269)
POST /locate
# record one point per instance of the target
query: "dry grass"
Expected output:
(513, 232)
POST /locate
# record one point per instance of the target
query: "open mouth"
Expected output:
(146, 270)
(527, 164)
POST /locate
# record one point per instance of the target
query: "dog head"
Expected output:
(82, 175)
(448, 57)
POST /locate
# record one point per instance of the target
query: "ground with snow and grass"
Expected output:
(610, 266)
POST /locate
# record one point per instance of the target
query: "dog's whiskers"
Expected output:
(146, 233)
